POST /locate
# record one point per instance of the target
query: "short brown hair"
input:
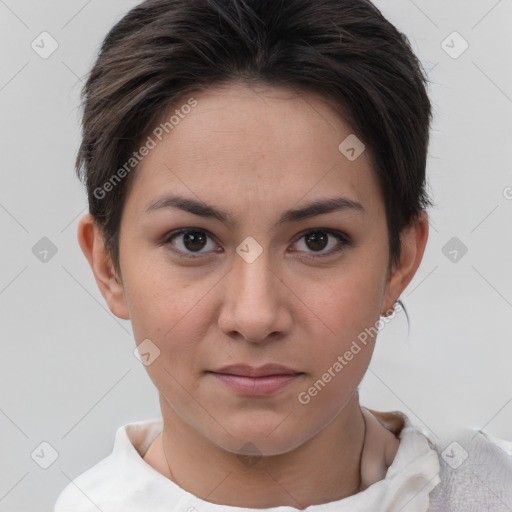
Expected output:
(345, 50)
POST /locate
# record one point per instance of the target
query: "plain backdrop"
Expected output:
(68, 375)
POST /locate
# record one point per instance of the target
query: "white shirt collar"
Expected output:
(124, 481)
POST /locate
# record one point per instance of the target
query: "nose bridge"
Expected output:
(253, 272)
(251, 301)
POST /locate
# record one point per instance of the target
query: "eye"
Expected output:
(190, 242)
(318, 240)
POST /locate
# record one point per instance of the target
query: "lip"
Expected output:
(245, 370)
(263, 381)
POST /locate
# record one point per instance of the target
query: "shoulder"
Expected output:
(475, 472)
(112, 483)
(84, 492)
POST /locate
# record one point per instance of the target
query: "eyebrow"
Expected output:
(310, 210)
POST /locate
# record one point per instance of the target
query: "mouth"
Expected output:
(250, 381)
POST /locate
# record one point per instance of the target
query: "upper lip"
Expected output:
(251, 371)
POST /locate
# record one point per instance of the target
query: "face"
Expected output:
(246, 289)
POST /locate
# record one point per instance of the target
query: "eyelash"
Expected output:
(343, 240)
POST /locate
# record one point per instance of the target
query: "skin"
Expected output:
(256, 152)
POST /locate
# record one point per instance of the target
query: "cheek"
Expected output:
(345, 325)
(174, 319)
(348, 343)
(167, 307)
(151, 291)
(338, 364)
(349, 302)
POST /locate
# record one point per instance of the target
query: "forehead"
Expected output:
(255, 148)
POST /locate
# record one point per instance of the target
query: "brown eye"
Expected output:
(318, 240)
(194, 240)
(186, 242)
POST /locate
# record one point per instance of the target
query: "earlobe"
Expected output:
(92, 244)
(413, 243)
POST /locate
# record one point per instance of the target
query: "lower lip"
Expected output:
(256, 386)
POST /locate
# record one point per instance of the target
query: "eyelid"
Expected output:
(343, 241)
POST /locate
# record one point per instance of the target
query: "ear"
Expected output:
(91, 241)
(413, 242)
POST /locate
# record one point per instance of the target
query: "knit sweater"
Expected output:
(475, 473)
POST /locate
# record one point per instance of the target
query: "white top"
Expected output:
(124, 482)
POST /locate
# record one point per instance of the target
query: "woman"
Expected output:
(256, 180)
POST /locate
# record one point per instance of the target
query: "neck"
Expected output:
(326, 468)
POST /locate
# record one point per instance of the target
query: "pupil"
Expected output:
(194, 237)
(319, 240)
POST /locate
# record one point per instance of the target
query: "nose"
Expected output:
(256, 303)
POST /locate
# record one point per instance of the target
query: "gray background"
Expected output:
(67, 371)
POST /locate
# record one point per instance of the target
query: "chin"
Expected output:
(257, 441)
